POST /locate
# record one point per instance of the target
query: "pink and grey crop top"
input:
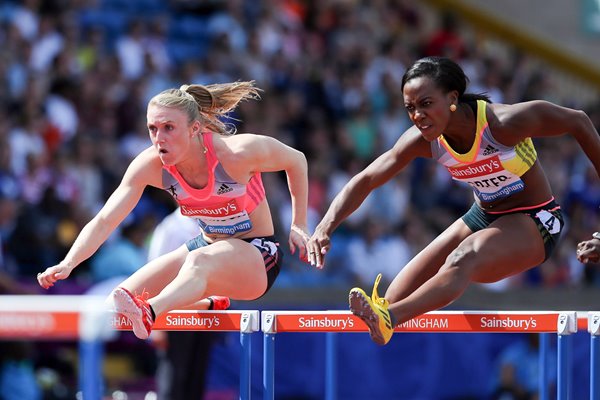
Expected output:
(492, 169)
(223, 206)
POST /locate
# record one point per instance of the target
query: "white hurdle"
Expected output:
(82, 318)
(594, 330)
(331, 322)
(243, 321)
(85, 318)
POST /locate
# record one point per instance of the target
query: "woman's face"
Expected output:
(428, 106)
(170, 133)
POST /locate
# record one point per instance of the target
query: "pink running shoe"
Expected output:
(219, 303)
(137, 309)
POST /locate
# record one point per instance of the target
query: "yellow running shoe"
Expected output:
(373, 311)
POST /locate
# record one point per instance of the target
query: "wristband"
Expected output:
(596, 235)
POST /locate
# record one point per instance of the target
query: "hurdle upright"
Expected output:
(331, 322)
(85, 318)
(62, 317)
(244, 321)
(594, 330)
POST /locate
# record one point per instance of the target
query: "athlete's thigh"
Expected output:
(233, 268)
(158, 273)
(510, 245)
(428, 262)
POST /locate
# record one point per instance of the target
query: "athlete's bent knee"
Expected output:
(196, 258)
(461, 263)
(196, 262)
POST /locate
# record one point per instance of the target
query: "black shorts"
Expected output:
(548, 218)
(268, 247)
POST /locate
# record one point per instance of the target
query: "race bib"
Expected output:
(488, 178)
(551, 223)
(224, 219)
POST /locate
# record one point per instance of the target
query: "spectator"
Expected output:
(447, 41)
(184, 356)
(131, 52)
(375, 250)
(17, 374)
(519, 368)
(125, 254)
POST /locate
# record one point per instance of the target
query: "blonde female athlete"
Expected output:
(215, 177)
(514, 223)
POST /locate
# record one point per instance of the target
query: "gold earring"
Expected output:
(452, 107)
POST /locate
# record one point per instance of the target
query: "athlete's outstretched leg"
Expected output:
(510, 245)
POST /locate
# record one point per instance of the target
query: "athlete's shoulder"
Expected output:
(148, 154)
(145, 167)
(508, 122)
(237, 143)
(147, 158)
(412, 142)
(510, 115)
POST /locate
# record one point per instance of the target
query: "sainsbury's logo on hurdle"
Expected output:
(192, 320)
(476, 322)
(119, 321)
(26, 321)
(338, 323)
(508, 322)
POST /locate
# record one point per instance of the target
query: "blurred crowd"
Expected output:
(77, 74)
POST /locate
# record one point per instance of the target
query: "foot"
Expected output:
(219, 303)
(374, 312)
(136, 309)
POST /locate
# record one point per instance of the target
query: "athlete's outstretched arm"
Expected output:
(544, 119)
(589, 250)
(95, 232)
(385, 167)
(266, 154)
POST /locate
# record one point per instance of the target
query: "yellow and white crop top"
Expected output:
(492, 169)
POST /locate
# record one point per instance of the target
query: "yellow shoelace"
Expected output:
(380, 301)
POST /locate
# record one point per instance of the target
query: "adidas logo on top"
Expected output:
(224, 189)
(489, 150)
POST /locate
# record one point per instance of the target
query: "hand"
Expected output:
(60, 271)
(589, 251)
(317, 247)
(298, 239)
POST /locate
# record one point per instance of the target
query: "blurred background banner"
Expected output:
(591, 16)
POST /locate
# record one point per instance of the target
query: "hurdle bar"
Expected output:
(61, 317)
(85, 318)
(243, 321)
(331, 322)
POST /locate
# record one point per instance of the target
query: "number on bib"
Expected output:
(551, 223)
